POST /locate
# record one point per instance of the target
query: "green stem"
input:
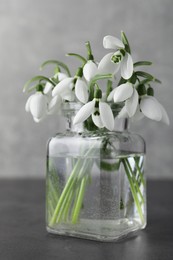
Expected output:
(134, 181)
(68, 187)
(139, 170)
(77, 172)
(51, 207)
(79, 200)
(81, 190)
(78, 56)
(132, 187)
(53, 192)
(63, 209)
(58, 63)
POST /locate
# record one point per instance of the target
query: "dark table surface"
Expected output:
(23, 235)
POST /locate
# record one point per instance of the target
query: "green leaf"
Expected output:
(77, 56)
(157, 80)
(36, 78)
(147, 76)
(144, 74)
(125, 41)
(142, 63)
(59, 63)
(143, 82)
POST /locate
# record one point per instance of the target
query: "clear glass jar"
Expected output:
(95, 186)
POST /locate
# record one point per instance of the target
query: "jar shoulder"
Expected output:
(121, 142)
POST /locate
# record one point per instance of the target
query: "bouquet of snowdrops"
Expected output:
(132, 90)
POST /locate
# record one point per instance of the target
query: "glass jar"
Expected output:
(95, 186)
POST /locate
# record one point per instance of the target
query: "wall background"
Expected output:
(32, 31)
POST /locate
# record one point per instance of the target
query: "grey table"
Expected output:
(23, 235)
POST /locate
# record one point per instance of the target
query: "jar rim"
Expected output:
(70, 106)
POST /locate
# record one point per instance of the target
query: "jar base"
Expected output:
(99, 230)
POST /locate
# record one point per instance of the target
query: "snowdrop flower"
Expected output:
(152, 109)
(71, 86)
(114, 61)
(48, 87)
(101, 113)
(64, 89)
(125, 92)
(37, 106)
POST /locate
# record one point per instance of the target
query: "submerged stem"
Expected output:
(134, 193)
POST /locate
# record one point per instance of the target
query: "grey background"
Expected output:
(32, 31)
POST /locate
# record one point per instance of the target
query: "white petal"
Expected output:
(27, 106)
(48, 87)
(111, 95)
(90, 70)
(38, 120)
(62, 86)
(123, 113)
(111, 42)
(123, 92)
(97, 121)
(132, 103)
(107, 66)
(38, 105)
(138, 115)
(68, 95)
(84, 112)
(54, 104)
(81, 91)
(61, 76)
(165, 118)
(106, 115)
(151, 108)
(127, 66)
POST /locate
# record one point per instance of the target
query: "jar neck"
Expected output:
(120, 125)
(69, 112)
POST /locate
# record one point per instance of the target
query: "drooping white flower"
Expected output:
(64, 89)
(149, 106)
(111, 62)
(121, 93)
(101, 113)
(125, 92)
(152, 109)
(37, 105)
(48, 87)
(68, 90)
